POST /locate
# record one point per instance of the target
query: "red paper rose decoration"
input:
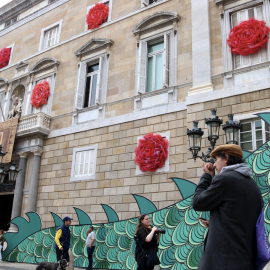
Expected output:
(4, 57)
(151, 152)
(40, 94)
(248, 37)
(97, 15)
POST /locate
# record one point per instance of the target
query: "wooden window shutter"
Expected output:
(166, 61)
(81, 86)
(99, 78)
(142, 67)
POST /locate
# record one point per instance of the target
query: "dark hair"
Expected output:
(232, 159)
(140, 225)
(2, 231)
(88, 231)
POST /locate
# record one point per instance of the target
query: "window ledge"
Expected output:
(88, 114)
(155, 98)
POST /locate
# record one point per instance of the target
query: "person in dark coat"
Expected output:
(62, 240)
(146, 240)
(234, 201)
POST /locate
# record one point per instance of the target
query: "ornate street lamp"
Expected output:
(2, 154)
(231, 130)
(13, 172)
(195, 139)
(213, 123)
(3, 174)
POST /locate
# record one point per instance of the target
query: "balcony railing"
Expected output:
(38, 123)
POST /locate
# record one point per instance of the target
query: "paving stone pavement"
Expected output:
(21, 266)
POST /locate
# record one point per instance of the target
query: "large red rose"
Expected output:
(248, 37)
(40, 94)
(151, 152)
(4, 57)
(97, 15)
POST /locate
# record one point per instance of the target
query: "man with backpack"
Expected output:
(62, 240)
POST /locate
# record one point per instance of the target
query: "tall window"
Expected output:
(154, 66)
(50, 37)
(91, 85)
(254, 134)
(252, 59)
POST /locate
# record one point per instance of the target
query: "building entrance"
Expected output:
(6, 202)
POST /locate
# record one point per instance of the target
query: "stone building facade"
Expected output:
(153, 66)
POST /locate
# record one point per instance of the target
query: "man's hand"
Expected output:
(90, 246)
(205, 223)
(61, 248)
(208, 168)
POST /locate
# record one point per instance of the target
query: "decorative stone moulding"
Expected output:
(45, 64)
(155, 21)
(3, 84)
(224, 2)
(21, 68)
(94, 45)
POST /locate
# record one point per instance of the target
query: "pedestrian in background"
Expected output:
(62, 240)
(90, 244)
(2, 240)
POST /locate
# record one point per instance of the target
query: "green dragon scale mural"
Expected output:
(180, 248)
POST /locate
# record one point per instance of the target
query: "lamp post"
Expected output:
(213, 124)
(7, 169)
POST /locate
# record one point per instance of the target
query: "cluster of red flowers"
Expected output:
(248, 37)
(151, 152)
(4, 57)
(97, 15)
(40, 94)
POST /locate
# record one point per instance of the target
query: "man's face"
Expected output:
(220, 163)
(68, 223)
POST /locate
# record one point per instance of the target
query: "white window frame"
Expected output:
(110, 2)
(44, 30)
(168, 72)
(241, 58)
(92, 74)
(166, 167)
(101, 89)
(226, 28)
(253, 132)
(74, 178)
(12, 49)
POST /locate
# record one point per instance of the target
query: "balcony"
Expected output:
(34, 124)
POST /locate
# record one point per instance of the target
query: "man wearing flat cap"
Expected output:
(234, 201)
(62, 240)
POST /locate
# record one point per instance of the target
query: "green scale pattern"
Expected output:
(179, 249)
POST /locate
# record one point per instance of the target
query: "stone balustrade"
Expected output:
(34, 124)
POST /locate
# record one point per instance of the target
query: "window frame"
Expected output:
(145, 3)
(167, 58)
(166, 167)
(103, 60)
(46, 29)
(11, 21)
(253, 132)
(110, 4)
(73, 178)
(91, 75)
(11, 54)
(226, 28)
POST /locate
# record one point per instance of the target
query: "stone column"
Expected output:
(33, 190)
(18, 193)
(201, 47)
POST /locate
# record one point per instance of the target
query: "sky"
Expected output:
(4, 2)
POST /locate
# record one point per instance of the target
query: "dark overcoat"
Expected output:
(234, 202)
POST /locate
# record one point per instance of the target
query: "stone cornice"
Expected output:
(16, 7)
(224, 2)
